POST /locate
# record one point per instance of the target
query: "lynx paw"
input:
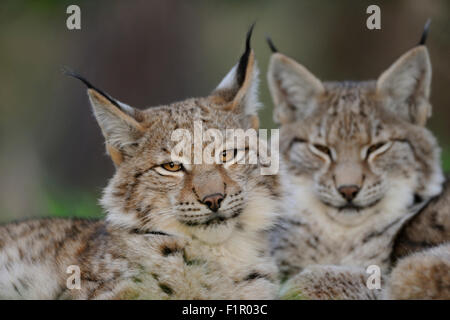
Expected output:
(423, 275)
(326, 282)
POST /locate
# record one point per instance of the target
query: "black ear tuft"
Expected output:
(271, 45)
(68, 72)
(73, 74)
(423, 39)
(243, 61)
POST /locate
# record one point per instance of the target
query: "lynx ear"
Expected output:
(238, 91)
(119, 122)
(293, 88)
(405, 86)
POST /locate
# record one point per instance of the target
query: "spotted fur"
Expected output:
(331, 282)
(361, 161)
(429, 228)
(160, 240)
(422, 275)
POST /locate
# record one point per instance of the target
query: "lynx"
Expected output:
(172, 230)
(361, 161)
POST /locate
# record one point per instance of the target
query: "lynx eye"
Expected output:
(172, 167)
(375, 147)
(228, 155)
(323, 149)
(296, 140)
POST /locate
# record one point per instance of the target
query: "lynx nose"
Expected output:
(213, 201)
(349, 192)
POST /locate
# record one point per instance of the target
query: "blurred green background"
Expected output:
(52, 158)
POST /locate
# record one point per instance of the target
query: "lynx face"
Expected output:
(208, 201)
(358, 147)
(150, 192)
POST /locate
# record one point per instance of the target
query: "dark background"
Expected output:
(146, 53)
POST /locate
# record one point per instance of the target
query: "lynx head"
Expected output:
(150, 192)
(359, 147)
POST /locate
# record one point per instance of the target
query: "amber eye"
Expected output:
(375, 147)
(323, 149)
(228, 155)
(172, 167)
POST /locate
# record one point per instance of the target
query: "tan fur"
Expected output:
(346, 136)
(101, 100)
(423, 275)
(159, 240)
(254, 120)
(115, 155)
(330, 282)
(430, 227)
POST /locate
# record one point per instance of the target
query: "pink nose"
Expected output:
(349, 192)
(213, 201)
